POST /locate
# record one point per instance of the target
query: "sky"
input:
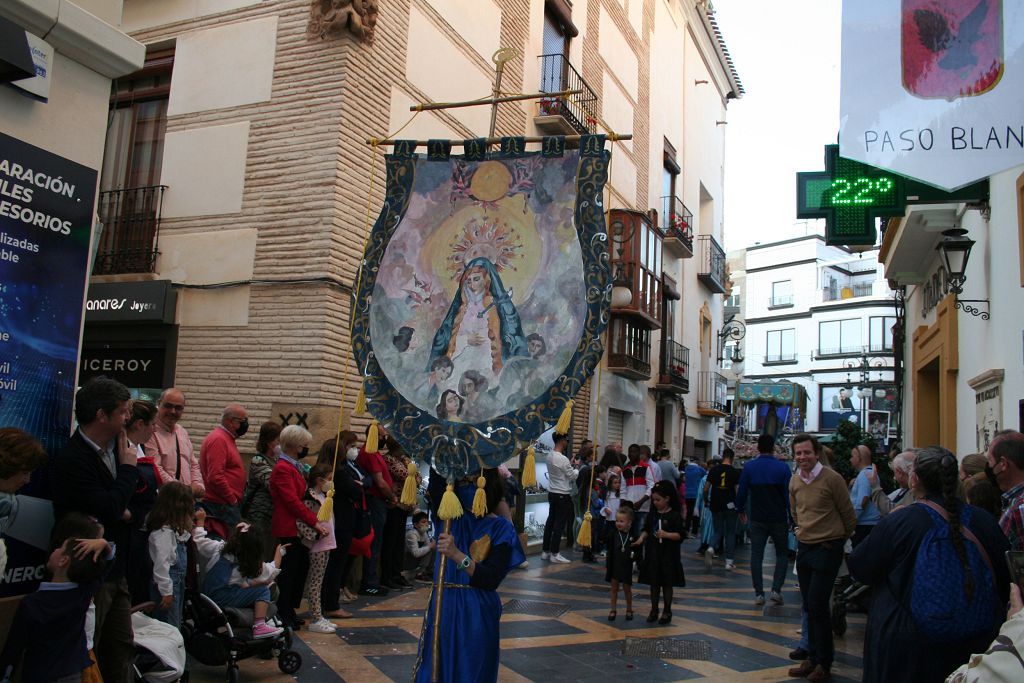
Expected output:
(787, 56)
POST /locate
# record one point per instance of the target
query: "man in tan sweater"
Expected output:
(824, 518)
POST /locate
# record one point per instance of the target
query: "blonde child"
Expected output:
(320, 547)
(234, 573)
(619, 563)
(169, 524)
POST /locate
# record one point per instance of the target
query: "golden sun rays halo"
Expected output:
(491, 181)
(502, 234)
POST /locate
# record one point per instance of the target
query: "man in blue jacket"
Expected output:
(766, 480)
(692, 474)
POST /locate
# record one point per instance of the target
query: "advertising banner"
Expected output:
(932, 89)
(46, 209)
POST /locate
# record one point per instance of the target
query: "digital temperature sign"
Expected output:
(852, 196)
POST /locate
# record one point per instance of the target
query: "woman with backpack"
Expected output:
(939, 579)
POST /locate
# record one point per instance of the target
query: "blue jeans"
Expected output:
(759, 534)
(725, 523)
(378, 517)
(172, 615)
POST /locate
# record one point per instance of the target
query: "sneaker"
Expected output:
(545, 556)
(321, 626)
(729, 564)
(558, 558)
(709, 558)
(374, 591)
(603, 553)
(525, 564)
(776, 598)
(759, 600)
(402, 581)
(263, 630)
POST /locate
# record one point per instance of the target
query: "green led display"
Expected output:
(852, 196)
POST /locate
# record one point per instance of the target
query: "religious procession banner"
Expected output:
(483, 295)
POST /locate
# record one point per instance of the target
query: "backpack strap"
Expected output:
(967, 533)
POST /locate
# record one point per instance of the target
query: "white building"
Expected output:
(821, 317)
(964, 371)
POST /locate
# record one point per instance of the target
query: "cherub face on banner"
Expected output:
(481, 287)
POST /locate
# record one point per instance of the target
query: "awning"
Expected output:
(15, 57)
(782, 392)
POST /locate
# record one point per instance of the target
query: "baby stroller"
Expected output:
(159, 649)
(222, 637)
(848, 595)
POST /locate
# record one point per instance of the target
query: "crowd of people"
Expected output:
(167, 517)
(142, 516)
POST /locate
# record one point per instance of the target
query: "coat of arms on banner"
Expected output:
(483, 295)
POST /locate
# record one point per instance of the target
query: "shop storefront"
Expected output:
(131, 335)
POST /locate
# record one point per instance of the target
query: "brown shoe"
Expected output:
(820, 675)
(802, 671)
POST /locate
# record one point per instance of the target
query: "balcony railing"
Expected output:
(674, 373)
(839, 352)
(781, 301)
(629, 350)
(711, 396)
(677, 227)
(645, 288)
(557, 75)
(129, 242)
(838, 293)
(780, 358)
(712, 264)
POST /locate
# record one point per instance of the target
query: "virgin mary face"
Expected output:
(475, 281)
(451, 404)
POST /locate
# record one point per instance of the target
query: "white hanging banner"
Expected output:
(933, 89)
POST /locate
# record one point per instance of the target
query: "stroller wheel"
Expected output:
(233, 673)
(289, 662)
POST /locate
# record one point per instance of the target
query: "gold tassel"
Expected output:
(327, 509)
(583, 537)
(450, 507)
(360, 408)
(409, 488)
(565, 420)
(529, 475)
(371, 438)
(480, 498)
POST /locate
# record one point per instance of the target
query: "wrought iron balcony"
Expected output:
(564, 114)
(629, 350)
(712, 264)
(711, 396)
(674, 373)
(676, 227)
(129, 241)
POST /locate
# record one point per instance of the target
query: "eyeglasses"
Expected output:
(176, 407)
(237, 419)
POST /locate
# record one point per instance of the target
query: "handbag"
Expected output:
(361, 524)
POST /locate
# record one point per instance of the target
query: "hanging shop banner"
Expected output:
(931, 89)
(483, 295)
(46, 208)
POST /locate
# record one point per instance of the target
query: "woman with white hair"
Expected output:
(287, 487)
(902, 466)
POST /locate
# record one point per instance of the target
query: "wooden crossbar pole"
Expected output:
(432, 106)
(611, 137)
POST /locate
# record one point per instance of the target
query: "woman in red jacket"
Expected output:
(287, 487)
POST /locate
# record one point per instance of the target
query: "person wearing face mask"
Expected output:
(1005, 469)
(257, 506)
(287, 488)
(223, 471)
(348, 492)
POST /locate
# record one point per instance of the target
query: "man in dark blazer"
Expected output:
(95, 474)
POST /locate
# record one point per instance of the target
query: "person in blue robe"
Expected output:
(470, 606)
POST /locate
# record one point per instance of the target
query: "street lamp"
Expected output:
(731, 329)
(955, 249)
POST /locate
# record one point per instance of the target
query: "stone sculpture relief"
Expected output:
(331, 18)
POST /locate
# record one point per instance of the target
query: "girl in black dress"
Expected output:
(662, 537)
(619, 564)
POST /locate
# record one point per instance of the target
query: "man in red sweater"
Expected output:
(223, 471)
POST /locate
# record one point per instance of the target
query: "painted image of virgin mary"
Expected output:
(481, 330)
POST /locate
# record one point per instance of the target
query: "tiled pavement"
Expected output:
(747, 643)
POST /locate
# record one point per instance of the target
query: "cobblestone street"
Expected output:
(559, 629)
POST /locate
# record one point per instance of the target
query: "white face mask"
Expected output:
(352, 454)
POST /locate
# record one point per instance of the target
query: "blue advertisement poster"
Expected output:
(46, 210)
